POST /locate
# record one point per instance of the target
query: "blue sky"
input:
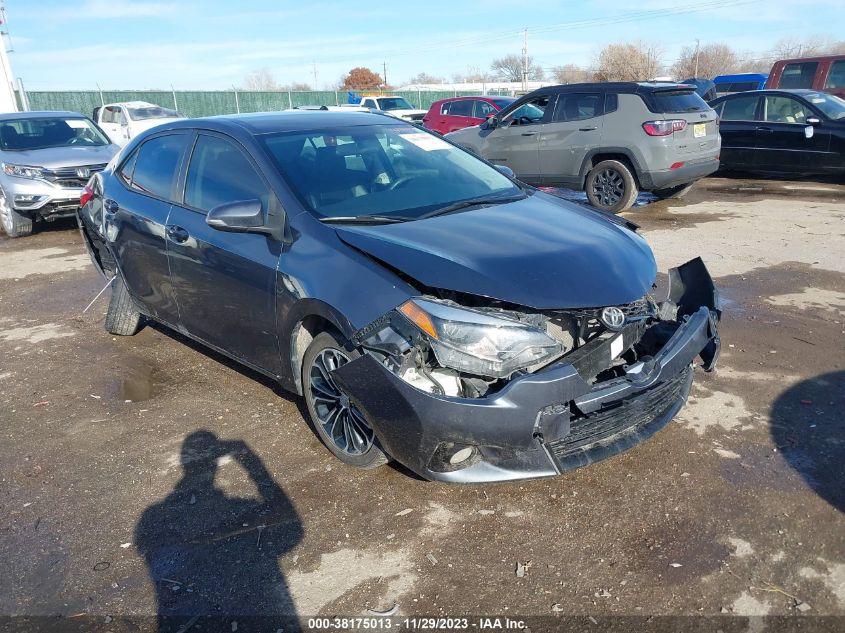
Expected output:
(214, 44)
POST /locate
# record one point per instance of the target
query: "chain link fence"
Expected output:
(208, 103)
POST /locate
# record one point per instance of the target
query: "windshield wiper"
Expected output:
(474, 202)
(364, 219)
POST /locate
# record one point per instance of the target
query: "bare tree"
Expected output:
(425, 78)
(705, 61)
(571, 74)
(261, 79)
(509, 68)
(473, 74)
(788, 47)
(297, 87)
(631, 61)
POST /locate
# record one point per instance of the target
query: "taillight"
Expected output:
(664, 128)
(86, 195)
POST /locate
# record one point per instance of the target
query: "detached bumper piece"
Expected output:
(564, 416)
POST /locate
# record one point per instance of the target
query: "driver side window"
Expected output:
(529, 113)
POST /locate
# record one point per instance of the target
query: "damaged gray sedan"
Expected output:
(431, 309)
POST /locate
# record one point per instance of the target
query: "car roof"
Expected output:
(41, 114)
(798, 92)
(288, 121)
(737, 77)
(633, 87)
(134, 104)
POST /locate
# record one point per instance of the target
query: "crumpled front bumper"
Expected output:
(544, 423)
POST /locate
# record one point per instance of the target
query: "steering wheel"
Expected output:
(399, 182)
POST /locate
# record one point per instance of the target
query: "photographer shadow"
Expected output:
(214, 559)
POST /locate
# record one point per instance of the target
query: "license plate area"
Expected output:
(699, 130)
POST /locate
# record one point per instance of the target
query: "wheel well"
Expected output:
(622, 158)
(301, 338)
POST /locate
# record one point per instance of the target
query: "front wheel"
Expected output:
(15, 224)
(611, 186)
(673, 192)
(340, 425)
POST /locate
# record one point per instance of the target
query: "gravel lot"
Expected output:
(136, 472)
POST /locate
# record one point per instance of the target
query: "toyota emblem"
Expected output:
(83, 172)
(613, 318)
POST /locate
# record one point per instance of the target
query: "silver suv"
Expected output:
(45, 160)
(610, 139)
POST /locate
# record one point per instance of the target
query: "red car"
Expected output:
(448, 115)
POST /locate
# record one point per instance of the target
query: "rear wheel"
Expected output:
(611, 186)
(341, 426)
(123, 318)
(15, 224)
(673, 192)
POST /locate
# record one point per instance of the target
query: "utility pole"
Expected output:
(315, 75)
(525, 59)
(7, 87)
(697, 49)
(384, 76)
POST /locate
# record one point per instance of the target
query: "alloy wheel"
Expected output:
(608, 187)
(340, 419)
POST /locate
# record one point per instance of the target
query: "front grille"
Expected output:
(627, 415)
(68, 176)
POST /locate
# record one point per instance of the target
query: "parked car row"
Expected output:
(610, 139)
(47, 157)
(431, 309)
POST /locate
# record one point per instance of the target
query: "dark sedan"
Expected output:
(798, 132)
(428, 307)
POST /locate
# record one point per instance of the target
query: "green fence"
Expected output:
(209, 103)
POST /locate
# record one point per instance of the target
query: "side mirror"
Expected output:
(490, 115)
(492, 121)
(245, 216)
(811, 120)
(507, 171)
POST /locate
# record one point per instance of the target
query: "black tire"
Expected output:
(123, 318)
(678, 191)
(338, 423)
(15, 224)
(611, 186)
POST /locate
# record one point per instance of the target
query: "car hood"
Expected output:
(401, 113)
(540, 252)
(56, 157)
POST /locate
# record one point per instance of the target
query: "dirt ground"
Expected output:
(140, 475)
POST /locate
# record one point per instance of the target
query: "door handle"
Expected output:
(176, 233)
(767, 130)
(110, 206)
(587, 129)
(529, 133)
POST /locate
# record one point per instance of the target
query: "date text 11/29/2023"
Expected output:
(416, 623)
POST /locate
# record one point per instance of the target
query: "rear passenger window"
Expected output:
(577, 106)
(219, 173)
(740, 109)
(482, 109)
(125, 172)
(798, 75)
(461, 108)
(157, 165)
(836, 76)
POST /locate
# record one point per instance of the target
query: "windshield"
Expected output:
(41, 133)
(394, 103)
(503, 103)
(832, 106)
(377, 170)
(152, 112)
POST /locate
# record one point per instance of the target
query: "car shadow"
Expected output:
(808, 427)
(214, 558)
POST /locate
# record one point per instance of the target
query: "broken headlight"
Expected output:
(477, 343)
